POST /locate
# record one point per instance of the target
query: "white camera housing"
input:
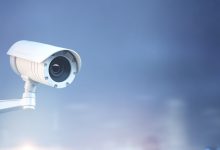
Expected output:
(40, 63)
(34, 60)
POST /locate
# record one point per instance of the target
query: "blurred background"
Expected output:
(150, 78)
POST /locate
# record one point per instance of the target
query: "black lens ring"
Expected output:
(59, 69)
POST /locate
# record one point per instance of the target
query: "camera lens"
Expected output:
(59, 69)
(56, 69)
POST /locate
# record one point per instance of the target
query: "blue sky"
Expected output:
(149, 79)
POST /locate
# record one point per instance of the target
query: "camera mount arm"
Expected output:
(28, 98)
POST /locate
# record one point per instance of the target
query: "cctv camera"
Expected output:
(40, 63)
(43, 63)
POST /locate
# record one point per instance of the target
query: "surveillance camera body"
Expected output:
(43, 63)
(40, 63)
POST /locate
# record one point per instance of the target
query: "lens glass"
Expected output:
(56, 69)
(59, 69)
